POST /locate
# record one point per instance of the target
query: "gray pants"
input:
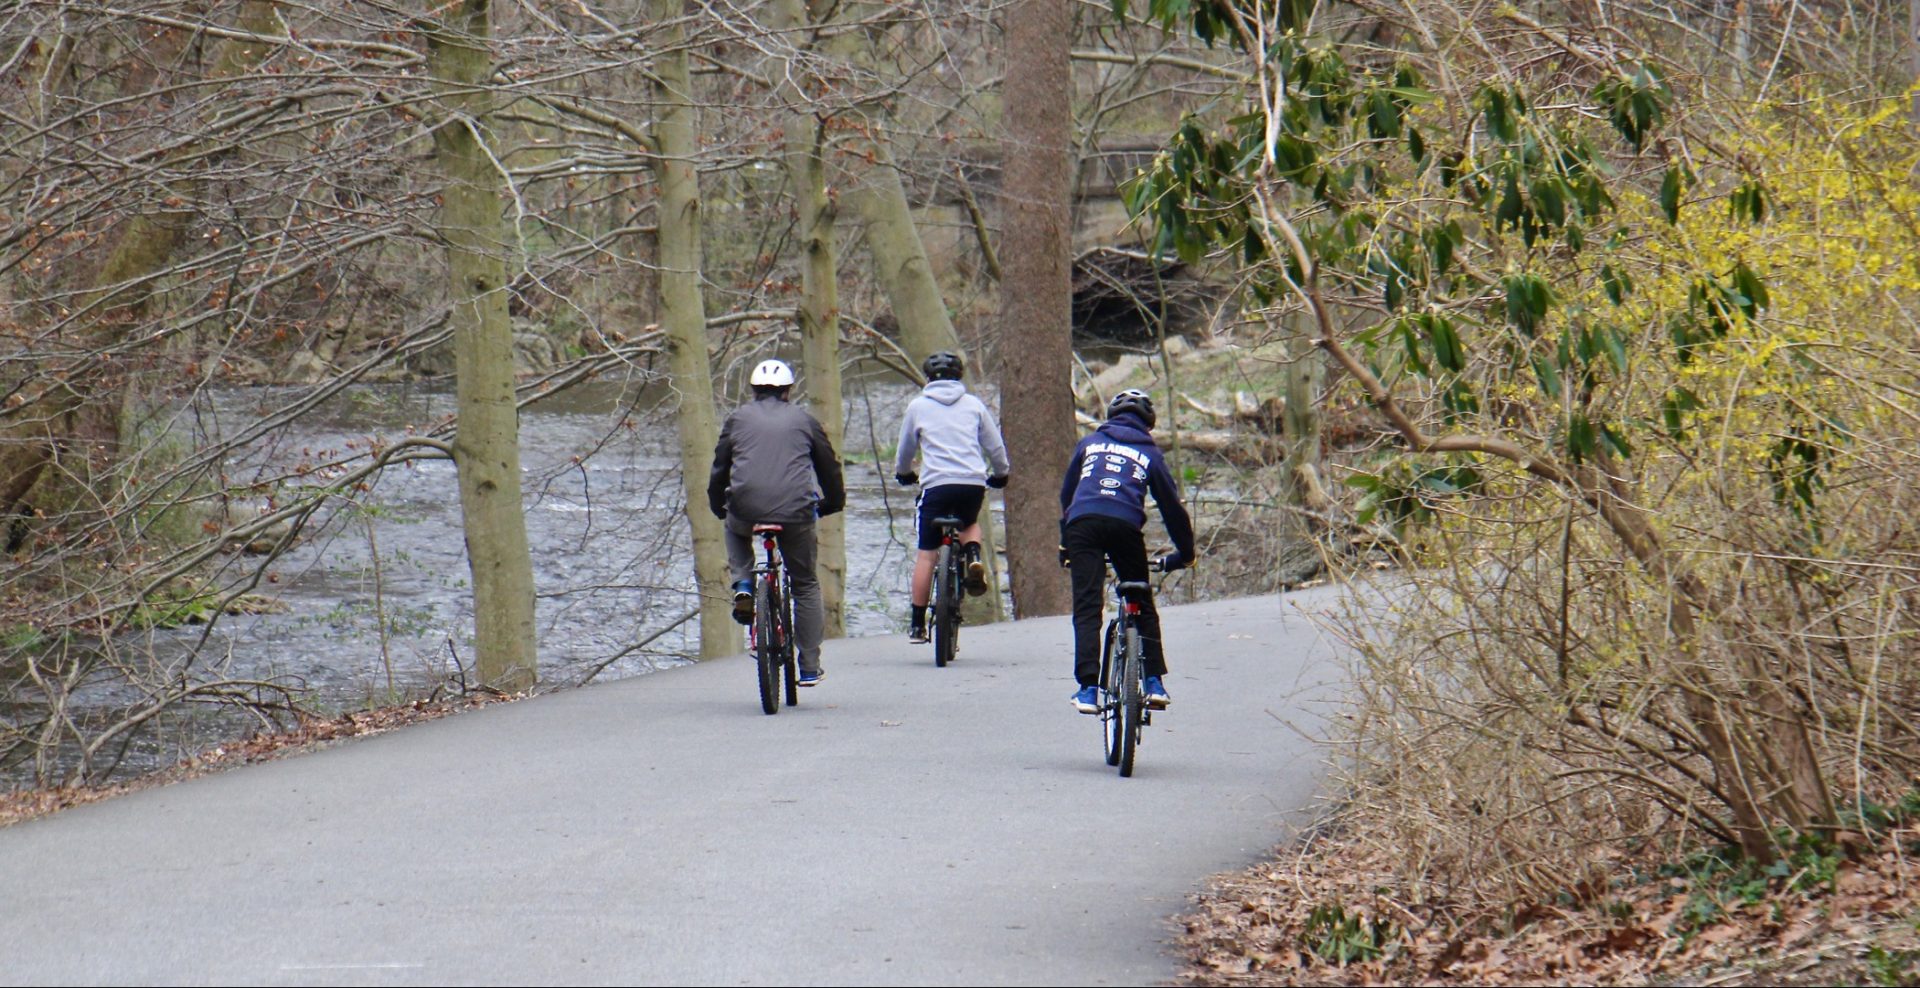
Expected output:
(797, 547)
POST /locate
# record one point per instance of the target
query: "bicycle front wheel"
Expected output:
(1131, 702)
(946, 606)
(767, 646)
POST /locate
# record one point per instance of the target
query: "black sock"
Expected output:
(919, 615)
(973, 552)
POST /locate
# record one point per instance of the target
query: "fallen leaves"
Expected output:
(1253, 928)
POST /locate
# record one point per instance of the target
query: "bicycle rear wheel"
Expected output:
(766, 646)
(1110, 693)
(1130, 700)
(946, 606)
(789, 649)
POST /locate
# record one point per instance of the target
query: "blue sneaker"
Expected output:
(1087, 701)
(1155, 693)
(812, 678)
(743, 601)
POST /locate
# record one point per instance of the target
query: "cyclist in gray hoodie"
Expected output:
(961, 455)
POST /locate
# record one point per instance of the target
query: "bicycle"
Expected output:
(1123, 707)
(771, 635)
(947, 590)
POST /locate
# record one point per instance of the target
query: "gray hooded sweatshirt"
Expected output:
(954, 434)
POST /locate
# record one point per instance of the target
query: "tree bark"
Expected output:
(1742, 38)
(486, 447)
(1301, 423)
(900, 258)
(683, 314)
(1036, 308)
(819, 305)
(1913, 56)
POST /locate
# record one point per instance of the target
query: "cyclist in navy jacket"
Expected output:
(1102, 509)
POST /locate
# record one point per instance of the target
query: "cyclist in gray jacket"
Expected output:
(773, 465)
(961, 455)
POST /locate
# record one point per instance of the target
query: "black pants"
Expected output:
(1091, 540)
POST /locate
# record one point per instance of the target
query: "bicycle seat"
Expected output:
(768, 528)
(947, 520)
(1131, 588)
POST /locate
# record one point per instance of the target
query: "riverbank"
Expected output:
(313, 734)
(1336, 908)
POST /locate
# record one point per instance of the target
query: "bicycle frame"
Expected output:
(773, 572)
(1125, 620)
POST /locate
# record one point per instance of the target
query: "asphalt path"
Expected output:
(903, 825)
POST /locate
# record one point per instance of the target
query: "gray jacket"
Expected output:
(954, 434)
(773, 464)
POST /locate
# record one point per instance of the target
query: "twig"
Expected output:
(637, 646)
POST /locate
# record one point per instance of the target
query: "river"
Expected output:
(372, 605)
(610, 545)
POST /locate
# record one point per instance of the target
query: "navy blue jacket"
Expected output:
(1113, 471)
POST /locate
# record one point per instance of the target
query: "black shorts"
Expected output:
(960, 501)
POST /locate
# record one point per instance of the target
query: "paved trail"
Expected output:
(903, 825)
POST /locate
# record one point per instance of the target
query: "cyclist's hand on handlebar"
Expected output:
(1171, 562)
(908, 479)
(997, 481)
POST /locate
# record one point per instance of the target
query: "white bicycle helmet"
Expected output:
(772, 374)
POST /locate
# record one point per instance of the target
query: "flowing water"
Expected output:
(374, 605)
(382, 590)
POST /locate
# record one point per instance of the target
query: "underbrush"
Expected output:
(1337, 908)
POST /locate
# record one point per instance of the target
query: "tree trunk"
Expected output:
(901, 259)
(819, 305)
(486, 445)
(1301, 423)
(1742, 38)
(1913, 56)
(1036, 307)
(683, 314)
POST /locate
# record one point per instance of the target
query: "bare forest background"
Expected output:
(1596, 321)
(274, 207)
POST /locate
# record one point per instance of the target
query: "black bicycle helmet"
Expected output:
(943, 366)
(1133, 400)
